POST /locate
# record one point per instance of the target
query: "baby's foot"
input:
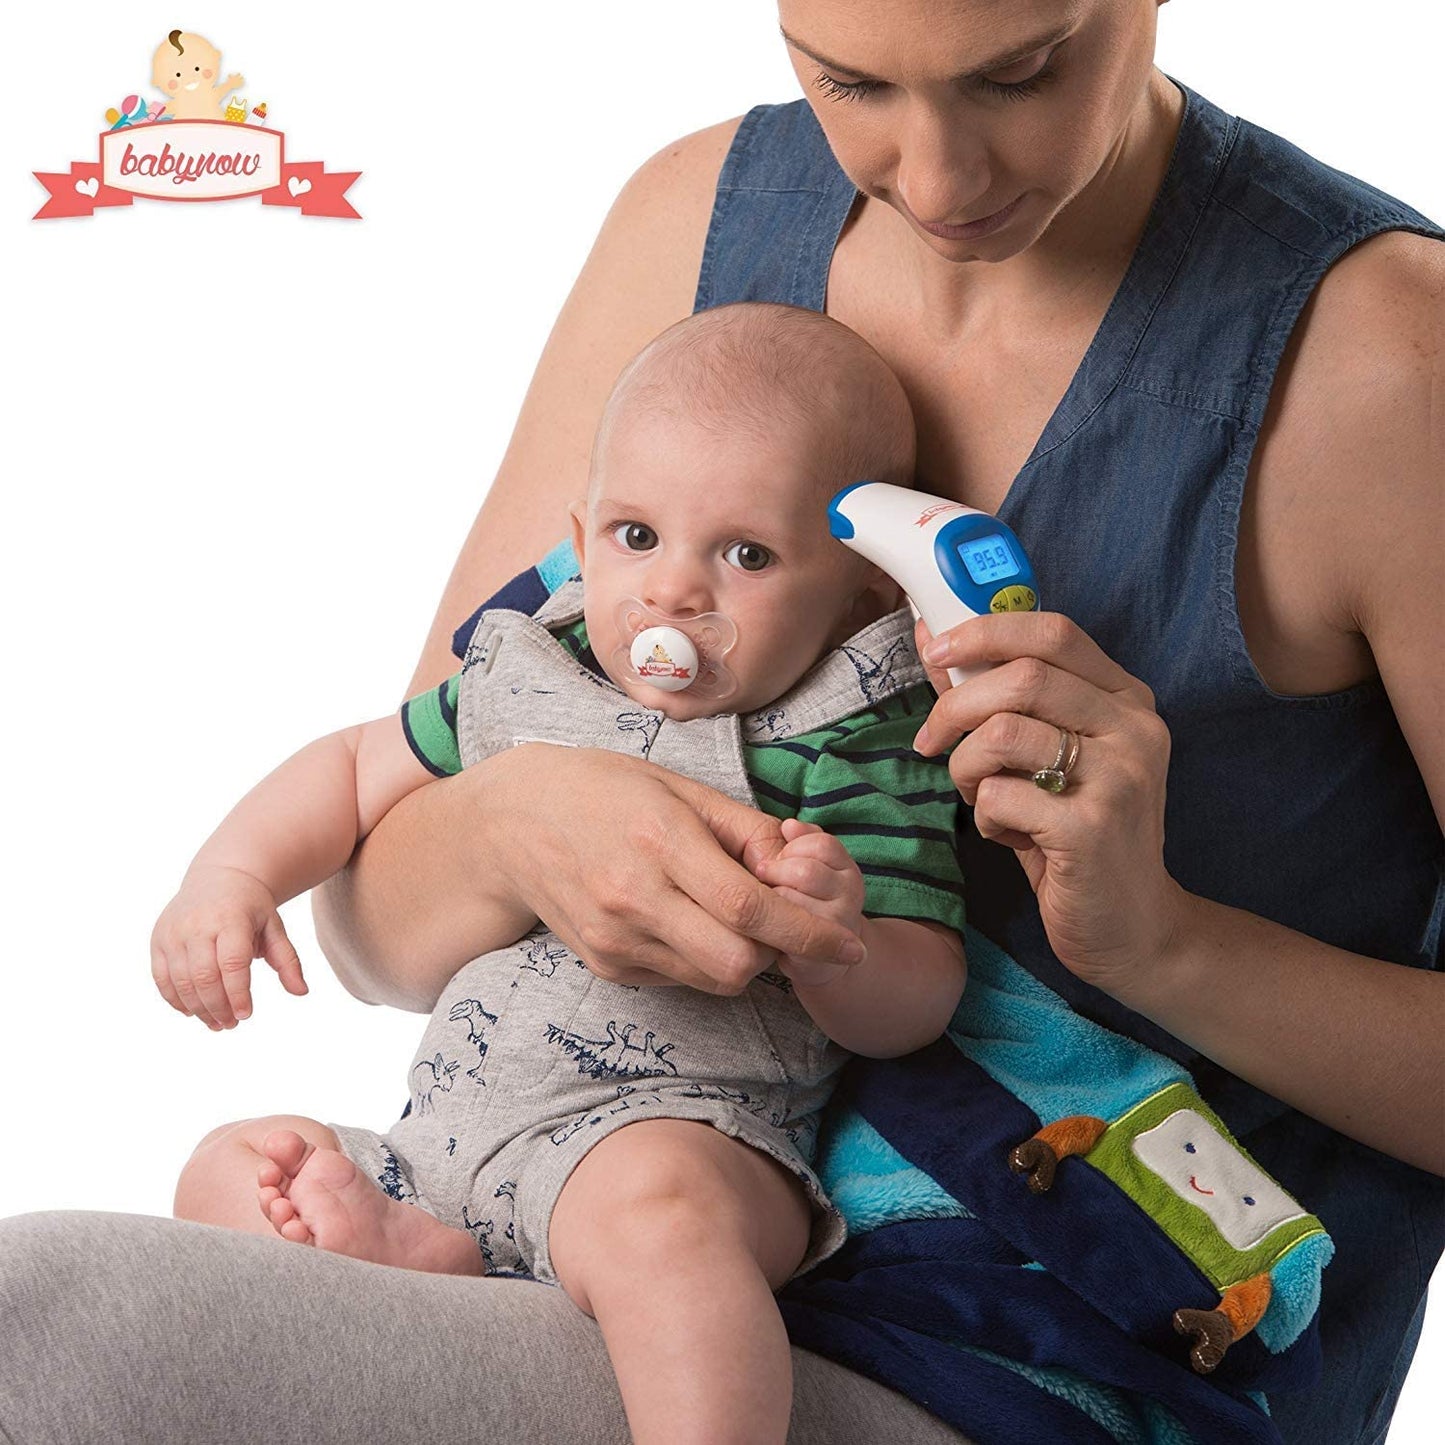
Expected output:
(318, 1196)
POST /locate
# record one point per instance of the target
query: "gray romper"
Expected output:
(529, 1059)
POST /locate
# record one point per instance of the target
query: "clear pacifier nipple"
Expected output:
(675, 654)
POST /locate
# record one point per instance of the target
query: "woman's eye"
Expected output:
(1189, 1149)
(635, 537)
(748, 556)
(844, 90)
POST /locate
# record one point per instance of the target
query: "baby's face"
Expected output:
(688, 521)
(193, 67)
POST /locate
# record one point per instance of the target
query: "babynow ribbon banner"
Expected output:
(195, 160)
(198, 143)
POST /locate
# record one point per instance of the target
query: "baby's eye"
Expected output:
(1190, 1149)
(750, 556)
(635, 537)
(1248, 1199)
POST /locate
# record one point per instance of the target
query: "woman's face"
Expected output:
(956, 112)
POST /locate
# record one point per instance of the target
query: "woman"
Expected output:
(1174, 442)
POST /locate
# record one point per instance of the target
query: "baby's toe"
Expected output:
(286, 1149)
(281, 1211)
(295, 1231)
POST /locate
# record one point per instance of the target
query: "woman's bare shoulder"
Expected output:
(1366, 356)
(661, 215)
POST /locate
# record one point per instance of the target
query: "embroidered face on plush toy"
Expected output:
(1189, 1155)
(711, 474)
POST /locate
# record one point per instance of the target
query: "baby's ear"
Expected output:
(578, 513)
(881, 592)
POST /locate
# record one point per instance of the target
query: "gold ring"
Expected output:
(1055, 778)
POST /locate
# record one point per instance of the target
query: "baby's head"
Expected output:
(712, 469)
(184, 62)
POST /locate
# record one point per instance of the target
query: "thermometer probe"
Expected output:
(955, 563)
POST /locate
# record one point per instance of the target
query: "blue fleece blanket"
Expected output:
(1023, 1317)
(1019, 1317)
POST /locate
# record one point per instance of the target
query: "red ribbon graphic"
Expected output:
(306, 185)
(77, 193)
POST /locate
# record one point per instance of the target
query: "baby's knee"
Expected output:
(251, 1133)
(218, 1134)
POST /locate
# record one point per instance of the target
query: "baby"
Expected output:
(636, 1144)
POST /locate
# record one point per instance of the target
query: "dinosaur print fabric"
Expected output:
(529, 1060)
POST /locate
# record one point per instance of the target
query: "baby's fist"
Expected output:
(815, 871)
(204, 941)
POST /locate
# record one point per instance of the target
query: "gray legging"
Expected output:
(142, 1331)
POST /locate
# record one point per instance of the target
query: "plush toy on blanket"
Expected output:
(1177, 1161)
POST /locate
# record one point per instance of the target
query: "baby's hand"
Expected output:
(815, 871)
(204, 941)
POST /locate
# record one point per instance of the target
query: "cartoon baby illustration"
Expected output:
(185, 66)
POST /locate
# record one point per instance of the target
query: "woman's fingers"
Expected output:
(1048, 636)
(1011, 742)
(736, 898)
(1026, 686)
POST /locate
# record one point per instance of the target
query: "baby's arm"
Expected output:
(901, 997)
(295, 828)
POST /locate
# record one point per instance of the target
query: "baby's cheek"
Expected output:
(173, 85)
(207, 74)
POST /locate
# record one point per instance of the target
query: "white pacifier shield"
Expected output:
(664, 657)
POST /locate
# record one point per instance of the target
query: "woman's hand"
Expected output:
(644, 874)
(1093, 853)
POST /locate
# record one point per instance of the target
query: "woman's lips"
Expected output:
(972, 230)
(1193, 1184)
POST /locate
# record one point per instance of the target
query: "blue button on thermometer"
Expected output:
(954, 563)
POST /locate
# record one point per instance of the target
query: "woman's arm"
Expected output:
(1353, 1041)
(1364, 1049)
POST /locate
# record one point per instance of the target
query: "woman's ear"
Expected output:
(578, 513)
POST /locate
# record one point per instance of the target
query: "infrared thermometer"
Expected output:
(955, 563)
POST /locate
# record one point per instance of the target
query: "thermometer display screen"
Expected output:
(989, 559)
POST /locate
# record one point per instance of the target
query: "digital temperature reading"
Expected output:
(989, 558)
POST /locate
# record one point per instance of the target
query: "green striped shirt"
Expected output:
(859, 779)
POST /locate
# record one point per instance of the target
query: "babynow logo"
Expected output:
(199, 143)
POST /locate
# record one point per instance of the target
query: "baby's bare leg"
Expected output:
(286, 1178)
(674, 1236)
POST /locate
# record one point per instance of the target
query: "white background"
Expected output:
(241, 449)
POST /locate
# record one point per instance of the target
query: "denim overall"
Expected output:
(529, 1060)
(1306, 810)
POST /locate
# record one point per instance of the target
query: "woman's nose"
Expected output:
(943, 170)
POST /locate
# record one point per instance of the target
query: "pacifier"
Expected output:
(675, 654)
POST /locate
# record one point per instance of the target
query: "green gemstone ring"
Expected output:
(1055, 778)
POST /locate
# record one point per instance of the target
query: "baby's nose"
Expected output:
(678, 591)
